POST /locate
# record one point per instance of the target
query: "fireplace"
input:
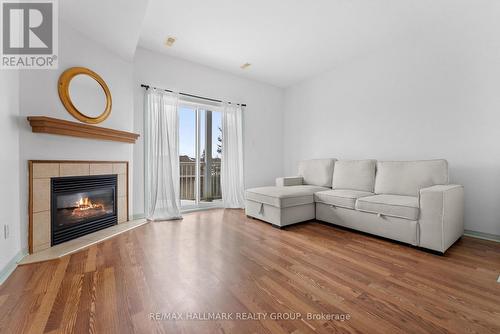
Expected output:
(81, 205)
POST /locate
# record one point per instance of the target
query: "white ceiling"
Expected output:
(284, 40)
(115, 24)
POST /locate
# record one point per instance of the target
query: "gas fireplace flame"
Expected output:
(86, 204)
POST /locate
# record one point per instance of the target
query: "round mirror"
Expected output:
(85, 95)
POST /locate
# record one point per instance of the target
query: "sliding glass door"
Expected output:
(200, 149)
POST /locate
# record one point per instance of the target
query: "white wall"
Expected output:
(9, 162)
(435, 94)
(263, 131)
(39, 97)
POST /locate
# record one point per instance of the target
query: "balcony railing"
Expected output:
(209, 191)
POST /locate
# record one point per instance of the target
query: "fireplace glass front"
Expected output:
(82, 205)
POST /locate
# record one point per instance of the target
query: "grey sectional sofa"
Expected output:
(408, 201)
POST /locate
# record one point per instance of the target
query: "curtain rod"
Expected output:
(191, 95)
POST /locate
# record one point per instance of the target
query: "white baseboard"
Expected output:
(138, 216)
(481, 235)
(186, 210)
(203, 208)
(12, 265)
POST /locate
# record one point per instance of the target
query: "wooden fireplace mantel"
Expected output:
(43, 124)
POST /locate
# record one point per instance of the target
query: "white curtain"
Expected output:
(161, 155)
(232, 157)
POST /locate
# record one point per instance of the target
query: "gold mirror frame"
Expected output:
(63, 88)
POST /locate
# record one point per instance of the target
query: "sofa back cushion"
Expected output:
(354, 174)
(408, 177)
(317, 172)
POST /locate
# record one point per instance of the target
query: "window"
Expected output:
(200, 149)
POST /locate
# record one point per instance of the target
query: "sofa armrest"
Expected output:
(289, 181)
(441, 220)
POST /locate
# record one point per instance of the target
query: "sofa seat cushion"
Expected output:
(284, 197)
(406, 207)
(343, 198)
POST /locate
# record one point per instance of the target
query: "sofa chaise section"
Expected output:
(292, 199)
(282, 206)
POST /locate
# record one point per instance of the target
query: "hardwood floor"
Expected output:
(221, 261)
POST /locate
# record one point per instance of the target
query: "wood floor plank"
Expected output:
(41, 317)
(221, 262)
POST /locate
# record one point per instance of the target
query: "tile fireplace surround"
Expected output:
(40, 174)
